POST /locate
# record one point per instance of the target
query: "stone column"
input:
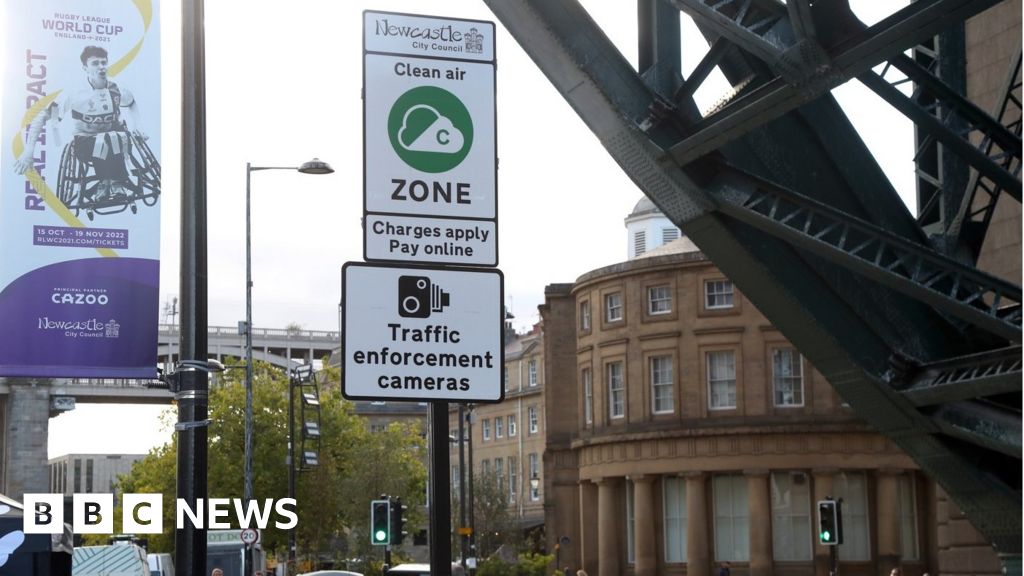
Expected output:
(643, 525)
(27, 421)
(588, 526)
(759, 503)
(698, 552)
(888, 514)
(609, 525)
(822, 487)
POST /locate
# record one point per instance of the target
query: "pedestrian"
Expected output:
(567, 571)
(581, 572)
(217, 572)
(897, 571)
(723, 569)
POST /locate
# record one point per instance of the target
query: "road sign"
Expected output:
(431, 240)
(422, 333)
(429, 138)
(249, 536)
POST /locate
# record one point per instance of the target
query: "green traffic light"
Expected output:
(826, 536)
(380, 535)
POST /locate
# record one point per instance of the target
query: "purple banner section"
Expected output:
(80, 237)
(81, 319)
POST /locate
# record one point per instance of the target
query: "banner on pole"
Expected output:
(80, 189)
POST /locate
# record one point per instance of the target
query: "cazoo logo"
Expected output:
(79, 298)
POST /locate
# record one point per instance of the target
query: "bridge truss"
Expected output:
(777, 188)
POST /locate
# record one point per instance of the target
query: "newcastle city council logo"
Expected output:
(430, 129)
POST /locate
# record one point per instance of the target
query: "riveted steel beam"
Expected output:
(777, 96)
(957, 108)
(800, 292)
(979, 203)
(982, 425)
(979, 375)
(959, 290)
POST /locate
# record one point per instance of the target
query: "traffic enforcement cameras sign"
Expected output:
(422, 333)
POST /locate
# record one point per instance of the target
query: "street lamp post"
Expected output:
(314, 166)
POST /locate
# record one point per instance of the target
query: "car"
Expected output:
(331, 573)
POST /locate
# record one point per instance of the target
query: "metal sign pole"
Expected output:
(193, 403)
(440, 492)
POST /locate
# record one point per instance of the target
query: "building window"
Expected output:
(669, 235)
(659, 300)
(717, 294)
(732, 520)
(534, 473)
(721, 380)
(630, 523)
(585, 315)
(791, 516)
(661, 385)
(485, 468)
(675, 519)
(456, 478)
(532, 372)
(852, 488)
(88, 475)
(531, 414)
(513, 478)
(639, 243)
(499, 474)
(485, 429)
(504, 376)
(616, 391)
(499, 427)
(511, 425)
(908, 518)
(377, 428)
(78, 475)
(613, 307)
(588, 396)
(787, 377)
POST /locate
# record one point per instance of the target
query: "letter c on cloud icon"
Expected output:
(424, 129)
(430, 129)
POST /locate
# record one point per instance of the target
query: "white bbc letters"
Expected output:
(93, 513)
(143, 513)
(44, 514)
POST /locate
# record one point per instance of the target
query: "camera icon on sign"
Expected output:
(418, 297)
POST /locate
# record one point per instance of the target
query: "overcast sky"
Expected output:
(283, 86)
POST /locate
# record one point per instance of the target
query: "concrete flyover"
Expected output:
(26, 405)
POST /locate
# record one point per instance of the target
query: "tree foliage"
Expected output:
(332, 498)
(494, 522)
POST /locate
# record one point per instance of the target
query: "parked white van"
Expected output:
(113, 560)
(160, 564)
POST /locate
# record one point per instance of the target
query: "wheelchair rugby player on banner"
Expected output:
(107, 167)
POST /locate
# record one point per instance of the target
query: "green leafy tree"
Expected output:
(494, 522)
(332, 498)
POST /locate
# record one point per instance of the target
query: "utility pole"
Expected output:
(192, 397)
(463, 538)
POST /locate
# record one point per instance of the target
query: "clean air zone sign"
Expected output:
(421, 333)
(430, 170)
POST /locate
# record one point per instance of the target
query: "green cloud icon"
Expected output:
(424, 129)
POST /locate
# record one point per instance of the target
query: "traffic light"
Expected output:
(397, 521)
(830, 523)
(380, 522)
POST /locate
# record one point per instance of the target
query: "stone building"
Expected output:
(684, 430)
(508, 437)
(89, 473)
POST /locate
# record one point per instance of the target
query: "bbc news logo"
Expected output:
(143, 513)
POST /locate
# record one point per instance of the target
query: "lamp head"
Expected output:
(316, 166)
